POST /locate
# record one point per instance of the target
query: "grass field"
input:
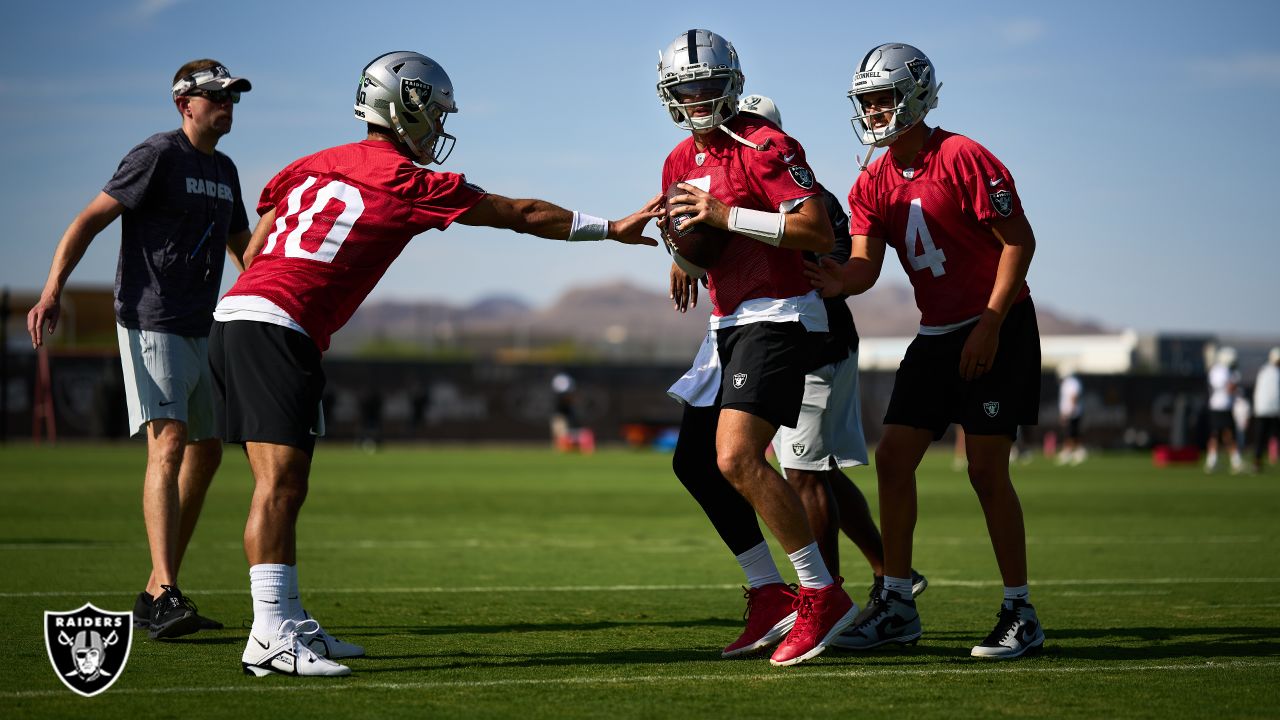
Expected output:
(499, 582)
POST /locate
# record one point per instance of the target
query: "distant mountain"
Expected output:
(611, 319)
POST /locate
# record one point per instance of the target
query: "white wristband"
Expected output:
(766, 227)
(587, 227)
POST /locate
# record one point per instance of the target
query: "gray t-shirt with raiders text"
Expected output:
(180, 206)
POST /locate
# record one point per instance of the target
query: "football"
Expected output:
(695, 248)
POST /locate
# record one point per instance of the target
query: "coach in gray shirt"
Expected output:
(182, 210)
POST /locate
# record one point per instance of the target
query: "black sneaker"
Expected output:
(919, 584)
(142, 611)
(142, 614)
(172, 615)
(1016, 633)
(889, 618)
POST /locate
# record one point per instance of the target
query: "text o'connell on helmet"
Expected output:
(699, 68)
(411, 95)
(909, 74)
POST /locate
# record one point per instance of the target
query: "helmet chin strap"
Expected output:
(863, 162)
(743, 140)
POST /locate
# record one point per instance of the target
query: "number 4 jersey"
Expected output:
(342, 216)
(937, 215)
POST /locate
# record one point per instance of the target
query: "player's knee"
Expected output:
(734, 464)
(804, 481)
(988, 478)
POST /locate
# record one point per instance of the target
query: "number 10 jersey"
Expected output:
(342, 216)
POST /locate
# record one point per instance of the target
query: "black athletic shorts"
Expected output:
(1221, 421)
(928, 392)
(763, 365)
(267, 384)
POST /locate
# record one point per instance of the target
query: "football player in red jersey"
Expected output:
(743, 174)
(951, 211)
(331, 225)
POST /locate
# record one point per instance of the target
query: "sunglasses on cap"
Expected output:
(217, 96)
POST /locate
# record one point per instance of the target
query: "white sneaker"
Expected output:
(286, 655)
(326, 645)
(1017, 633)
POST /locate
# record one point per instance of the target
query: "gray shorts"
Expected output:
(829, 431)
(166, 377)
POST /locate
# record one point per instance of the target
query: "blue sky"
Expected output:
(1138, 132)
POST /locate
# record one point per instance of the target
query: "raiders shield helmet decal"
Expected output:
(414, 94)
(802, 176)
(1002, 202)
(88, 647)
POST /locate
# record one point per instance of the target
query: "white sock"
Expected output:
(758, 565)
(293, 598)
(1022, 592)
(269, 587)
(810, 568)
(900, 586)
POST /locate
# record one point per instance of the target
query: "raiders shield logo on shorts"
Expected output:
(88, 647)
(739, 379)
(797, 448)
(992, 408)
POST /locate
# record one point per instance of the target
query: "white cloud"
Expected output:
(1243, 69)
(1023, 31)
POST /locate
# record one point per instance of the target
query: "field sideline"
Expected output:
(501, 582)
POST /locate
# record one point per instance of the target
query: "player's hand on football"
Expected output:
(701, 206)
(684, 289)
(979, 352)
(630, 229)
(827, 277)
(43, 314)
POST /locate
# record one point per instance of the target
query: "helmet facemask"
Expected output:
(682, 97)
(423, 132)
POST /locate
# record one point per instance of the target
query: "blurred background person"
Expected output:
(1266, 407)
(1070, 412)
(1224, 384)
(567, 433)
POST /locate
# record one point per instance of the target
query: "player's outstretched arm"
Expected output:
(855, 276)
(547, 220)
(95, 217)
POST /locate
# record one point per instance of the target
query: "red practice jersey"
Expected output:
(342, 216)
(758, 180)
(938, 219)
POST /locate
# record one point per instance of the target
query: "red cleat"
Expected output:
(770, 614)
(820, 616)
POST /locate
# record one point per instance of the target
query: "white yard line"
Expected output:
(978, 668)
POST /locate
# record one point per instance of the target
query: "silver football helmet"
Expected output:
(909, 74)
(409, 94)
(762, 106)
(699, 69)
